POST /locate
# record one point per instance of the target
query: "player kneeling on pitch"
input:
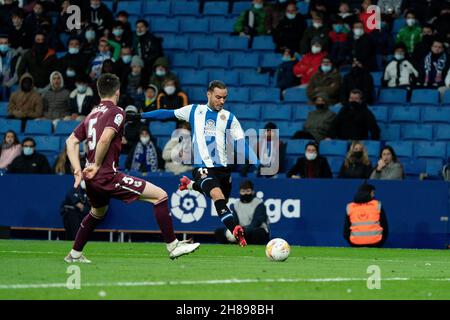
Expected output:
(103, 129)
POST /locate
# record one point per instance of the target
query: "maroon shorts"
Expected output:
(118, 186)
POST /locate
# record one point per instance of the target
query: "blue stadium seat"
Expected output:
(250, 124)
(398, 24)
(131, 7)
(3, 108)
(156, 8)
(10, 124)
(162, 141)
(255, 79)
(296, 147)
(446, 98)
(377, 78)
(373, 148)
(435, 115)
(270, 60)
(47, 143)
(434, 168)
(303, 7)
(417, 132)
(184, 60)
(392, 96)
(191, 78)
(335, 164)
(185, 8)
(301, 112)
(38, 127)
(109, 5)
(122, 161)
(336, 108)
(287, 128)
(240, 6)
(214, 60)
(380, 113)
(295, 95)
(209, 43)
(158, 128)
(414, 167)
(263, 43)
(274, 112)
(425, 96)
(430, 150)
(333, 148)
(390, 132)
(196, 94)
(403, 149)
(442, 133)
(244, 61)
(219, 25)
(174, 42)
(215, 8)
(194, 25)
(246, 111)
(238, 94)
(231, 78)
(267, 95)
(65, 128)
(164, 25)
(233, 43)
(405, 115)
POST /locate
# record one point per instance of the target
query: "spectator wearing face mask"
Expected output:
(283, 73)
(356, 164)
(146, 45)
(327, 80)
(123, 67)
(434, 66)
(40, 61)
(161, 72)
(122, 16)
(171, 97)
(117, 35)
(21, 35)
(355, 121)
(411, 34)
(361, 46)
(310, 62)
(423, 47)
(56, 99)
(346, 14)
(81, 99)
(150, 95)
(104, 53)
(338, 40)
(145, 156)
(288, 33)
(400, 73)
(253, 22)
(9, 149)
(249, 212)
(358, 78)
(9, 62)
(311, 166)
(30, 161)
(25, 103)
(136, 80)
(89, 43)
(318, 31)
(176, 152)
(73, 64)
(99, 14)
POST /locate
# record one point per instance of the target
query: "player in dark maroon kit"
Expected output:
(103, 130)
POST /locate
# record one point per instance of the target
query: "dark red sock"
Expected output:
(161, 211)
(86, 228)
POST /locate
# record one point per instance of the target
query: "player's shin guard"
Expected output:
(225, 214)
(86, 228)
(161, 211)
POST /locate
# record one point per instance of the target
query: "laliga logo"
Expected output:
(187, 206)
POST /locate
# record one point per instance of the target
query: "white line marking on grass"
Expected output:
(199, 282)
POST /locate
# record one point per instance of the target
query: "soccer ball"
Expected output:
(277, 249)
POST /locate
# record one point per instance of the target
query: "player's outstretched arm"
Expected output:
(100, 152)
(73, 151)
(159, 115)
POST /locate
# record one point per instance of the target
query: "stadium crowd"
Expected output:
(48, 71)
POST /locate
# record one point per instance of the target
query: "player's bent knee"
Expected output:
(99, 213)
(216, 194)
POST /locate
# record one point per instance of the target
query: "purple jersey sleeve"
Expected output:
(115, 119)
(80, 132)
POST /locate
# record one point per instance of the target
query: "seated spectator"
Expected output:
(150, 95)
(40, 61)
(318, 123)
(312, 165)
(56, 99)
(172, 97)
(61, 26)
(122, 16)
(249, 212)
(73, 64)
(21, 35)
(30, 161)
(310, 62)
(410, 34)
(117, 35)
(400, 73)
(136, 80)
(362, 47)
(146, 45)
(355, 121)
(9, 62)
(89, 43)
(252, 22)
(161, 72)
(356, 164)
(145, 156)
(275, 13)
(81, 100)
(345, 13)
(73, 210)
(283, 73)
(365, 220)
(176, 152)
(388, 167)
(10, 149)
(103, 54)
(422, 48)
(358, 78)
(99, 14)
(338, 42)
(6, 9)
(123, 67)
(326, 80)
(288, 33)
(364, 15)
(318, 32)
(131, 131)
(434, 66)
(25, 103)
(36, 17)
(442, 22)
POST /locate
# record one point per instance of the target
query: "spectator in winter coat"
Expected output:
(434, 66)
(358, 78)
(21, 35)
(327, 80)
(423, 47)
(361, 46)
(319, 31)
(9, 62)
(312, 165)
(171, 97)
(56, 99)
(383, 41)
(161, 72)
(400, 73)
(289, 31)
(284, 75)
(253, 22)
(145, 156)
(146, 45)
(73, 64)
(338, 42)
(410, 34)
(388, 167)
(99, 14)
(81, 99)
(131, 131)
(310, 62)
(30, 161)
(356, 164)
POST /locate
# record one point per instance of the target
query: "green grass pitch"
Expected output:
(36, 270)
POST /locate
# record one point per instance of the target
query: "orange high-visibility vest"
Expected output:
(365, 222)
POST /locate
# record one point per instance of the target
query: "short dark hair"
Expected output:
(29, 139)
(107, 85)
(314, 144)
(246, 184)
(357, 91)
(216, 84)
(142, 21)
(270, 126)
(387, 147)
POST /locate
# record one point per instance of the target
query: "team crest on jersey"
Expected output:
(223, 117)
(210, 128)
(118, 119)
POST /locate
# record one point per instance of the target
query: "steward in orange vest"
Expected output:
(365, 221)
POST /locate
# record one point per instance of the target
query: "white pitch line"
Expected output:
(199, 282)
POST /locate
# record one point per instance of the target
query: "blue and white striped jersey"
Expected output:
(209, 133)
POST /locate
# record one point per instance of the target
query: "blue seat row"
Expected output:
(418, 97)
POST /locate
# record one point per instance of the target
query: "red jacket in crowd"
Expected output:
(308, 65)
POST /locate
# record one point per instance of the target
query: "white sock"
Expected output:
(172, 245)
(75, 254)
(190, 185)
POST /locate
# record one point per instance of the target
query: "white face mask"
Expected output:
(410, 22)
(315, 49)
(317, 25)
(291, 16)
(310, 156)
(145, 140)
(83, 185)
(169, 90)
(358, 32)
